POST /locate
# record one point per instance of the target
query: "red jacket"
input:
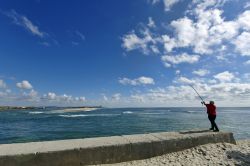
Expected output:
(211, 109)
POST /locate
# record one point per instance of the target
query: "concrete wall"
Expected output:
(105, 149)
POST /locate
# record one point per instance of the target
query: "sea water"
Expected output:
(46, 124)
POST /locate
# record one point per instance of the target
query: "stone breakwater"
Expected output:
(105, 150)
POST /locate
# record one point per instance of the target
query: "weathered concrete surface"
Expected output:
(105, 149)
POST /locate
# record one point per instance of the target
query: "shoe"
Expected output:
(211, 129)
(216, 130)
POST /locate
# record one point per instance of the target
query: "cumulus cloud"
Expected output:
(24, 22)
(2, 84)
(201, 72)
(132, 41)
(225, 76)
(181, 58)
(208, 31)
(53, 97)
(243, 20)
(204, 30)
(185, 80)
(24, 85)
(81, 99)
(32, 95)
(242, 43)
(50, 96)
(223, 93)
(184, 30)
(138, 81)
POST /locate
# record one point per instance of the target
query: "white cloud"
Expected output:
(80, 99)
(242, 43)
(29, 96)
(224, 76)
(223, 93)
(24, 22)
(53, 97)
(116, 97)
(132, 41)
(185, 80)
(50, 96)
(247, 5)
(201, 72)
(137, 98)
(138, 81)
(154, 1)
(247, 62)
(81, 36)
(169, 43)
(184, 30)
(24, 85)
(105, 98)
(154, 49)
(204, 4)
(244, 20)
(2, 84)
(168, 4)
(203, 30)
(177, 59)
(246, 76)
(151, 22)
(177, 72)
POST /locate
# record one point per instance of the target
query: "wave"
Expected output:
(36, 112)
(87, 115)
(159, 110)
(191, 111)
(152, 113)
(72, 116)
(127, 112)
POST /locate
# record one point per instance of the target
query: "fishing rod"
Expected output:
(197, 93)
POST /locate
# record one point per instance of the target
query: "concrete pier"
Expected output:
(105, 149)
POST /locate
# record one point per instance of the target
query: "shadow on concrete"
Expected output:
(196, 131)
(242, 158)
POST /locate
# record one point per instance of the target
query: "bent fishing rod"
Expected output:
(197, 93)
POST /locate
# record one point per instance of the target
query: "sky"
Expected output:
(143, 53)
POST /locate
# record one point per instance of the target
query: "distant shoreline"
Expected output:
(7, 108)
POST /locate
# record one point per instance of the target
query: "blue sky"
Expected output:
(124, 53)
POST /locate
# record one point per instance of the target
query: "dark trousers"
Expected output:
(212, 120)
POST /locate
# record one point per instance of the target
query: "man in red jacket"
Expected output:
(211, 111)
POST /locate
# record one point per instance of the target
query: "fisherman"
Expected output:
(211, 111)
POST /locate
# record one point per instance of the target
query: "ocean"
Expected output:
(42, 125)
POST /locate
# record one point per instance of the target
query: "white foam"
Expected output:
(72, 116)
(36, 112)
(191, 111)
(127, 112)
(152, 113)
(87, 115)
